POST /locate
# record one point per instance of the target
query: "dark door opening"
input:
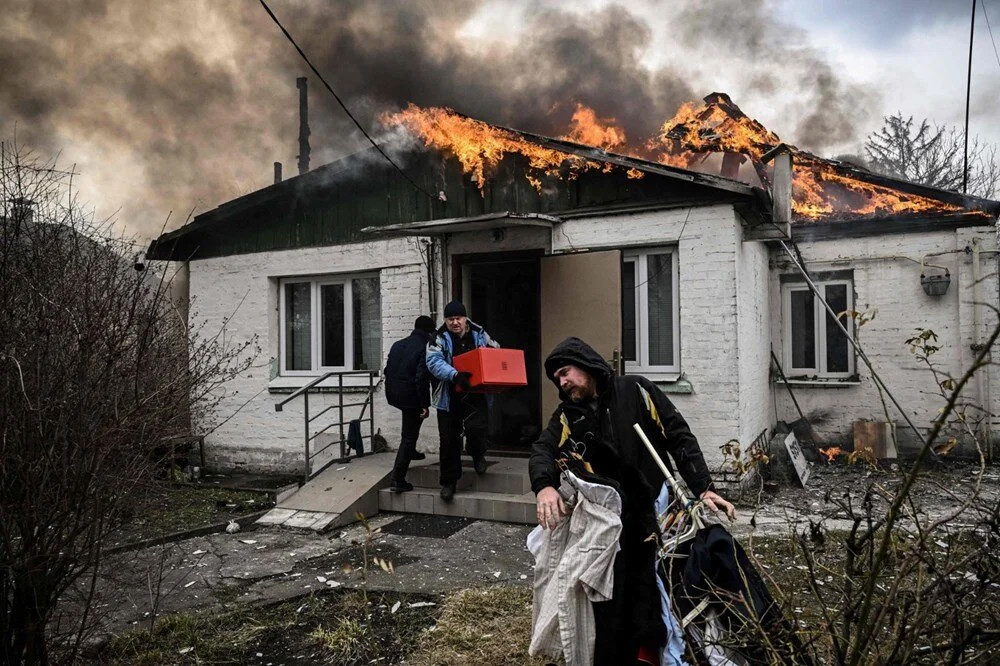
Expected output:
(502, 295)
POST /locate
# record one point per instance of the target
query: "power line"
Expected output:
(968, 94)
(990, 29)
(339, 101)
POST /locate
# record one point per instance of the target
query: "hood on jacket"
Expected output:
(574, 351)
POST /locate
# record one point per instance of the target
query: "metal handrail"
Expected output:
(319, 379)
(340, 406)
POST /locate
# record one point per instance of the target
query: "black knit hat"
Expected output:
(424, 323)
(455, 309)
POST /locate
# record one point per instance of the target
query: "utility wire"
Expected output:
(968, 95)
(854, 343)
(341, 102)
(990, 29)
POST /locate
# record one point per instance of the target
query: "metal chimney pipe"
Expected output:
(302, 84)
(277, 172)
(781, 187)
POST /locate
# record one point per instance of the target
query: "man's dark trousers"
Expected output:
(407, 443)
(468, 415)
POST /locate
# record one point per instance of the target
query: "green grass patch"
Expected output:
(485, 626)
(165, 509)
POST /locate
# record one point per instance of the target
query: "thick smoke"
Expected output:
(174, 106)
(821, 109)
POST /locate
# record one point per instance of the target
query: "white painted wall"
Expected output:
(256, 437)
(708, 240)
(887, 277)
(754, 315)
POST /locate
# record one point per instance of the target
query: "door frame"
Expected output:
(460, 261)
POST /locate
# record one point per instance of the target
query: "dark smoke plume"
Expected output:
(180, 105)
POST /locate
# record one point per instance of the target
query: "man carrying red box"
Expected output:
(463, 412)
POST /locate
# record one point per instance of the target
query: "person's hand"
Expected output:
(425, 412)
(551, 508)
(714, 503)
(462, 380)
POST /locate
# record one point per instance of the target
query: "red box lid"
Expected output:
(493, 368)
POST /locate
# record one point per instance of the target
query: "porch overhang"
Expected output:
(505, 219)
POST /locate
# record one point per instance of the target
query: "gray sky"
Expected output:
(183, 105)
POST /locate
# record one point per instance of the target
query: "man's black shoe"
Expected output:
(448, 492)
(480, 465)
(400, 486)
(417, 456)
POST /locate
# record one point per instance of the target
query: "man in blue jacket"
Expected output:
(407, 388)
(462, 412)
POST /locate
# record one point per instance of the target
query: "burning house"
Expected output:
(661, 254)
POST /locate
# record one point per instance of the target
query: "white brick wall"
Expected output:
(730, 318)
(754, 313)
(707, 239)
(256, 437)
(887, 276)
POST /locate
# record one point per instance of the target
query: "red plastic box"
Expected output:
(493, 370)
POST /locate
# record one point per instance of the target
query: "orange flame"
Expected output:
(831, 453)
(588, 129)
(480, 147)
(818, 189)
(688, 140)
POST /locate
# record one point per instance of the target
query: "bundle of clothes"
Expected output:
(713, 601)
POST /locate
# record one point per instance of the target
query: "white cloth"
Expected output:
(574, 566)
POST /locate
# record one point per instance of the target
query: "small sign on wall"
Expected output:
(799, 461)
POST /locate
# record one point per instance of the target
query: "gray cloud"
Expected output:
(173, 105)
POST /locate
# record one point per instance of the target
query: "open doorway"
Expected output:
(501, 292)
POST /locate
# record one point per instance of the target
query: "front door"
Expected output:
(580, 297)
(502, 295)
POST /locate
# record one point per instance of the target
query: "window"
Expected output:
(813, 343)
(330, 323)
(650, 330)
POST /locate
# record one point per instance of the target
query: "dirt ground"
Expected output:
(410, 557)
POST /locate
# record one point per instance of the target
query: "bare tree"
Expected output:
(932, 155)
(96, 371)
(910, 571)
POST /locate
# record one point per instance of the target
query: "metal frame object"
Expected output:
(688, 504)
(340, 405)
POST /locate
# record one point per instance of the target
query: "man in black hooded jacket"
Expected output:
(594, 422)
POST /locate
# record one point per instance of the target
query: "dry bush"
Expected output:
(97, 370)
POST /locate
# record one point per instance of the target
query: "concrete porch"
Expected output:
(336, 495)
(502, 494)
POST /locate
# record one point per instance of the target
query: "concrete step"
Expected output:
(502, 507)
(503, 475)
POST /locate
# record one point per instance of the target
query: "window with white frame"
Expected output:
(814, 346)
(330, 323)
(650, 322)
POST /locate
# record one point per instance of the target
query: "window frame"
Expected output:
(316, 284)
(639, 257)
(820, 333)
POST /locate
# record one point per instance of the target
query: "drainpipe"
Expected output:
(303, 85)
(983, 376)
(431, 288)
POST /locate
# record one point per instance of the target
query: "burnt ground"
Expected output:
(423, 556)
(938, 491)
(163, 509)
